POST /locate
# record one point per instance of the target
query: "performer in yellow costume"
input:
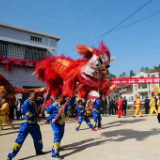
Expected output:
(4, 112)
(138, 107)
(153, 106)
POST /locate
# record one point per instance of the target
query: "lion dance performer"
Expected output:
(82, 115)
(29, 125)
(58, 125)
(138, 107)
(97, 106)
(65, 76)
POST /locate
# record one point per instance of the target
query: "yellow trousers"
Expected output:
(153, 109)
(3, 120)
(138, 111)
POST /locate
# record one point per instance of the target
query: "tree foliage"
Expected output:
(123, 75)
(111, 75)
(146, 69)
(131, 73)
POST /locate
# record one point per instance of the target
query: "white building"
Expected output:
(126, 91)
(144, 90)
(20, 50)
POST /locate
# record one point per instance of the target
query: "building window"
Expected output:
(17, 51)
(3, 49)
(142, 86)
(36, 39)
(152, 75)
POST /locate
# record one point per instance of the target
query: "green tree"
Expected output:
(131, 73)
(142, 69)
(122, 75)
(145, 69)
(111, 75)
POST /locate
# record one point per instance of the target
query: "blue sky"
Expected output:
(75, 22)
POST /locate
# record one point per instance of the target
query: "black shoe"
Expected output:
(40, 153)
(9, 159)
(134, 116)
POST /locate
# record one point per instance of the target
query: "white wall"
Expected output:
(21, 76)
(127, 95)
(149, 89)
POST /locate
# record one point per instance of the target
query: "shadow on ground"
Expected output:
(127, 121)
(34, 156)
(125, 134)
(80, 146)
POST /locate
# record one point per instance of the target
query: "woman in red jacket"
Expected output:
(120, 107)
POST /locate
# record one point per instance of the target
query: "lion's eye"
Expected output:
(107, 66)
(100, 61)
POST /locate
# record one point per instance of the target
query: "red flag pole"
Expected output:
(59, 113)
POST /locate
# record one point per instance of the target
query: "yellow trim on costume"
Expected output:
(62, 121)
(35, 105)
(78, 125)
(15, 147)
(40, 142)
(56, 146)
(30, 122)
(94, 124)
(96, 110)
(46, 114)
(29, 114)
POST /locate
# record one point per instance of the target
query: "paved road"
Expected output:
(121, 139)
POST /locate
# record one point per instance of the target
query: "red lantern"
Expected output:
(7, 67)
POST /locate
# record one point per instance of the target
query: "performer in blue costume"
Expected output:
(82, 115)
(97, 106)
(58, 126)
(28, 125)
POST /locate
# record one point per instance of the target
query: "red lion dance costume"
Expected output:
(67, 76)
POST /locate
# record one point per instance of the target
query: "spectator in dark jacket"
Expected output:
(18, 109)
(115, 105)
(146, 105)
(111, 105)
(156, 103)
(124, 106)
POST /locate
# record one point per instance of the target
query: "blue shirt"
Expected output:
(97, 105)
(80, 111)
(30, 110)
(52, 111)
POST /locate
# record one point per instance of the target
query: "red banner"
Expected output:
(18, 62)
(145, 80)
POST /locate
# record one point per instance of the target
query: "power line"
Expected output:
(86, 10)
(149, 16)
(117, 24)
(122, 21)
(80, 14)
